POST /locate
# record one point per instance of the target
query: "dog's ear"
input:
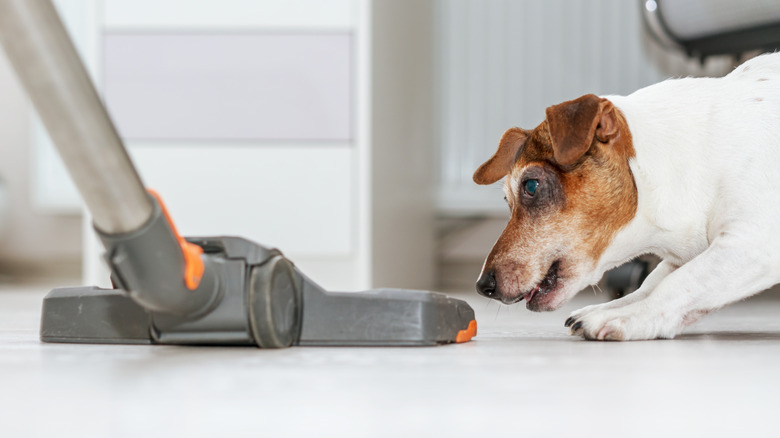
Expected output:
(574, 124)
(501, 162)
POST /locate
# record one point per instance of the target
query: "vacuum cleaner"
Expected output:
(185, 291)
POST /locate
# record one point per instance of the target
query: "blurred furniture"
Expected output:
(704, 28)
(302, 124)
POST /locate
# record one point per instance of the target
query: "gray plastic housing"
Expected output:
(262, 300)
(149, 264)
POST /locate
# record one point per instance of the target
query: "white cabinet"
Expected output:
(300, 124)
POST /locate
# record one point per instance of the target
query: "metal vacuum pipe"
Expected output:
(57, 82)
(146, 256)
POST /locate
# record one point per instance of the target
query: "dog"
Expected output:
(687, 169)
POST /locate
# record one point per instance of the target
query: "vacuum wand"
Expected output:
(172, 290)
(61, 91)
(58, 85)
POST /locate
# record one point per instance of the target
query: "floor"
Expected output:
(523, 375)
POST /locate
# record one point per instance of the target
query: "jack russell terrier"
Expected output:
(687, 169)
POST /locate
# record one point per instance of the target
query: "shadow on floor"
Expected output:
(730, 336)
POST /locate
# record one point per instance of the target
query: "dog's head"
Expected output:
(570, 190)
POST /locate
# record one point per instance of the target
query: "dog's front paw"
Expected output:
(579, 314)
(622, 324)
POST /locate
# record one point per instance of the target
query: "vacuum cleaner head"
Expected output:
(248, 295)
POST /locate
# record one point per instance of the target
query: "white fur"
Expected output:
(707, 171)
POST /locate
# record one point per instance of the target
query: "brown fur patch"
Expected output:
(588, 199)
(500, 163)
(572, 126)
(600, 191)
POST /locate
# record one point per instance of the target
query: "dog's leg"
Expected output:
(729, 270)
(653, 279)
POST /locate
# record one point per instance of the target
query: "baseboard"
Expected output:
(66, 270)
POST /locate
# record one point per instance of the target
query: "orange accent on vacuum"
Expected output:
(193, 265)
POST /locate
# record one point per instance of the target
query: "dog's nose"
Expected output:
(486, 285)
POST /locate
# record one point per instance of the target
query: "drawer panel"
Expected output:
(229, 86)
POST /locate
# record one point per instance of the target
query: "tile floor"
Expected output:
(523, 375)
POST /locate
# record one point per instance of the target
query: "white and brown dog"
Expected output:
(687, 169)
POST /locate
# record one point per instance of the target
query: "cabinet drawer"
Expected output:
(229, 86)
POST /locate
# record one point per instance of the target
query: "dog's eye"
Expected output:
(530, 186)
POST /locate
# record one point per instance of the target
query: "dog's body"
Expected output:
(687, 169)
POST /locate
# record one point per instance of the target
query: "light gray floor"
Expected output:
(523, 375)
